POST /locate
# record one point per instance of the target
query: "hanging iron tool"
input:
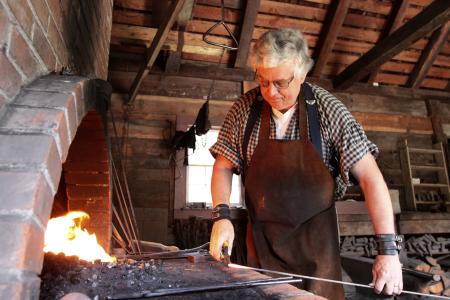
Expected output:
(221, 22)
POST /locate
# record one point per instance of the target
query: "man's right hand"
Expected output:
(222, 231)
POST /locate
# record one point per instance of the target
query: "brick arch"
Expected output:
(36, 130)
(85, 179)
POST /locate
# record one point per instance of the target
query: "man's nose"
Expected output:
(272, 89)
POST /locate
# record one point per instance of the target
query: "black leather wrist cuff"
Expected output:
(388, 244)
(221, 211)
(388, 238)
(387, 251)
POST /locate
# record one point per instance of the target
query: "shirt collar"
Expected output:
(279, 115)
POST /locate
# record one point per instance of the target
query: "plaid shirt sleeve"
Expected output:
(229, 141)
(347, 137)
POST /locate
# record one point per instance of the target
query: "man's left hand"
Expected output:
(387, 275)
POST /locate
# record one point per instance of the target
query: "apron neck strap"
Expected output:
(309, 100)
(302, 119)
(264, 130)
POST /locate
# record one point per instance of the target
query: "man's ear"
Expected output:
(301, 78)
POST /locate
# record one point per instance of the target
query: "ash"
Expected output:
(62, 275)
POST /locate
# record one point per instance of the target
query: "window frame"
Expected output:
(181, 209)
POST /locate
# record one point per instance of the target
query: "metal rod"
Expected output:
(132, 216)
(122, 205)
(328, 280)
(119, 220)
(216, 287)
(170, 254)
(132, 219)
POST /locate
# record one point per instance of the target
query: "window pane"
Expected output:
(201, 155)
(199, 172)
(199, 184)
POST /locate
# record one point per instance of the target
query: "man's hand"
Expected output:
(222, 231)
(387, 275)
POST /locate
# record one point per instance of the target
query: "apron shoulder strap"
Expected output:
(255, 111)
(313, 117)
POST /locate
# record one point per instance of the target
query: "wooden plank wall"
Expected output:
(146, 156)
(387, 119)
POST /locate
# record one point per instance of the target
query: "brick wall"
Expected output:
(47, 132)
(38, 37)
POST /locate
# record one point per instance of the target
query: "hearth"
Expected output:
(62, 275)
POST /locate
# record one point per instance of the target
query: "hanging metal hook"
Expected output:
(221, 22)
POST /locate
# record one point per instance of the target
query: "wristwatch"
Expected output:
(221, 211)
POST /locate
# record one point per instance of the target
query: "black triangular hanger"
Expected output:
(221, 22)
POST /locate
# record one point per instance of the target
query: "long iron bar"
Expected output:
(124, 210)
(122, 205)
(206, 288)
(328, 280)
(132, 218)
(118, 238)
(119, 220)
(170, 254)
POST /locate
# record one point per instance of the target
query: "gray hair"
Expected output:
(278, 46)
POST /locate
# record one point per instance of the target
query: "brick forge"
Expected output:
(36, 132)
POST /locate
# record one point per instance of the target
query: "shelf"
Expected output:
(428, 168)
(424, 151)
(430, 185)
(431, 202)
(439, 184)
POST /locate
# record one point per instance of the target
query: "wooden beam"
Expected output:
(429, 54)
(191, 70)
(155, 47)
(435, 110)
(160, 9)
(428, 20)
(173, 62)
(385, 90)
(398, 13)
(245, 39)
(215, 72)
(193, 42)
(186, 13)
(328, 35)
(382, 122)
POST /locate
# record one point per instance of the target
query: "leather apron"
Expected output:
(292, 218)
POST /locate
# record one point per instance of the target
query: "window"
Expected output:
(199, 171)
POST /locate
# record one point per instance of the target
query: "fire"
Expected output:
(64, 235)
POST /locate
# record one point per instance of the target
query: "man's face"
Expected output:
(282, 97)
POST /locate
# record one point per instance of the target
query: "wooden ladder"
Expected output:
(420, 192)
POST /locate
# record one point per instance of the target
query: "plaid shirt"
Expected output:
(343, 138)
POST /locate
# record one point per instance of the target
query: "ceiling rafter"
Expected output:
(397, 16)
(426, 21)
(245, 39)
(155, 47)
(328, 35)
(429, 54)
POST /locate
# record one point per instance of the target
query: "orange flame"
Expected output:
(64, 235)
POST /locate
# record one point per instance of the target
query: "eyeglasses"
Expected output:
(279, 84)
